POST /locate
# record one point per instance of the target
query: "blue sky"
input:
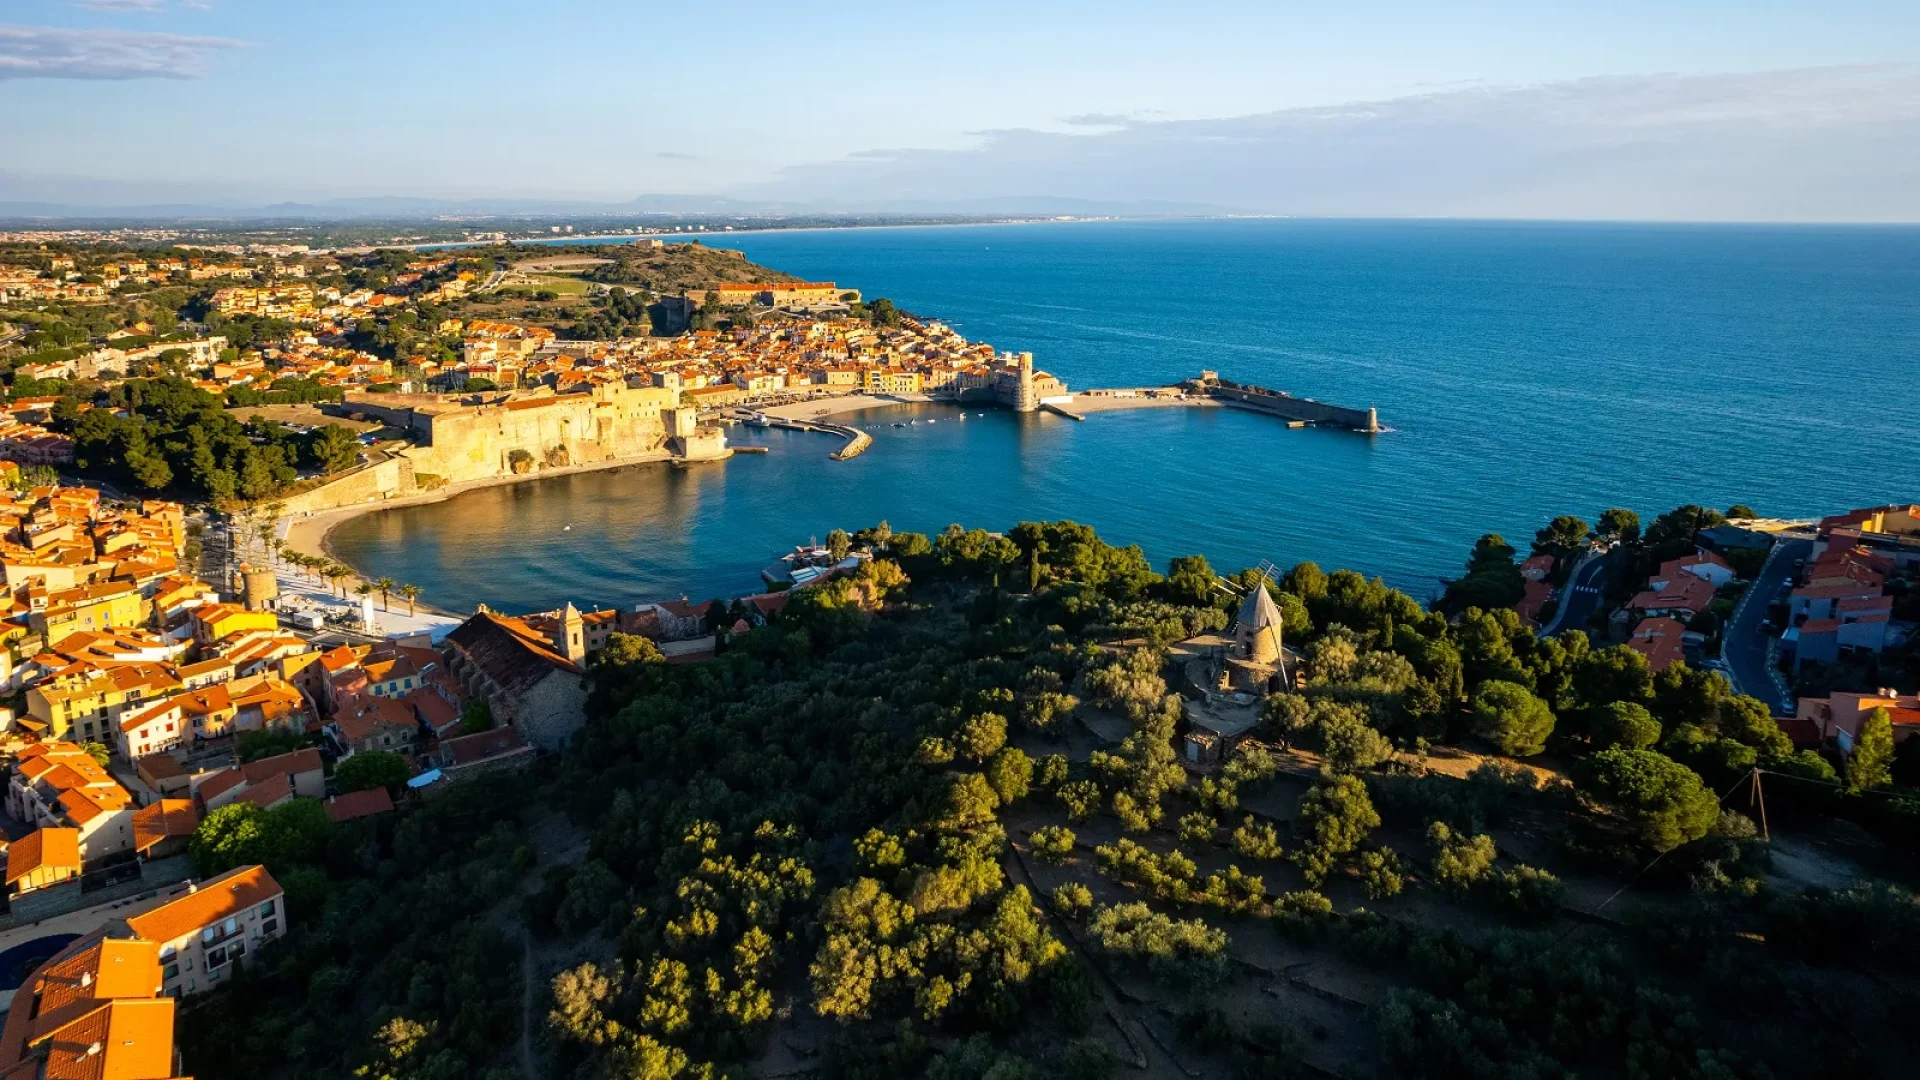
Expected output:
(163, 100)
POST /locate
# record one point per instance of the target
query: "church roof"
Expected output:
(512, 653)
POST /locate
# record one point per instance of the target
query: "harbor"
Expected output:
(856, 443)
(813, 412)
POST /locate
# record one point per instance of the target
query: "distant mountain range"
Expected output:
(392, 208)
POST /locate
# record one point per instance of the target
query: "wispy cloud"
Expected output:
(150, 7)
(47, 52)
(1807, 144)
(1098, 119)
(670, 155)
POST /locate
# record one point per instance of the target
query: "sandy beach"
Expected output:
(821, 408)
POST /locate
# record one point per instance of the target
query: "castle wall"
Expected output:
(573, 429)
(391, 478)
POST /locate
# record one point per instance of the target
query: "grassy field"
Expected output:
(562, 284)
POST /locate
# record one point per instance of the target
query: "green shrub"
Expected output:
(1072, 900)
(1052, 844)
(1197, 828)
(1256, 840)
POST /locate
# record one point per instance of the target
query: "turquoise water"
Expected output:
(1526, 369)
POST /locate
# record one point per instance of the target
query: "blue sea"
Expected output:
(1525, 369)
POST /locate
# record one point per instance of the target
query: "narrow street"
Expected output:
(1583, 594)
(1746, 646)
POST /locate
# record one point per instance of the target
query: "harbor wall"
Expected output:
(1289, 407)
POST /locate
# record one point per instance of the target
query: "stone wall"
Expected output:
(1289, 407)
(610, 424)
(391, 478)
(456, 442)
(43, 904)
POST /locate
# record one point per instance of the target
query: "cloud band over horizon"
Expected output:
(1810, 144)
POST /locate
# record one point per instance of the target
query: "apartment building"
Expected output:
(92, 1011)
(216, 927)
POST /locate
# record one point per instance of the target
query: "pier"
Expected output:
(856, 444)
(1048, 406)
(1211, 391)
(1284, 405)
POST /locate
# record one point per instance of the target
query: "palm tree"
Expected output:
(411, 593)
(385, 585)
(333, 573)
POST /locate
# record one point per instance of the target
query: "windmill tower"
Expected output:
(1256, 661)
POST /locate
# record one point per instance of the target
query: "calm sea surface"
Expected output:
(1526, 370)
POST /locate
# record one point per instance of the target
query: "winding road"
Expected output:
(1584, 592)
(1747, 648)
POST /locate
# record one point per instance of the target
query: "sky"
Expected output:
(1750, 110)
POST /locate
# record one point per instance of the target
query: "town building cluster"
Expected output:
(1842, 608)
(1836, 612)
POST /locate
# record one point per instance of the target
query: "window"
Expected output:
(170, 972)
(264, 910)
(270, 927)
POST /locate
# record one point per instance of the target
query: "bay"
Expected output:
(1526, 369)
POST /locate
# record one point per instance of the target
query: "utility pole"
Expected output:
(1759, 799)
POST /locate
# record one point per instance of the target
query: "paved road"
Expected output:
(1746, 647)
(1581, 596)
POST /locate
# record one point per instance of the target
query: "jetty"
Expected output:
(1211, 390)
(1060, 410)
(856, 443)
(1284, 405)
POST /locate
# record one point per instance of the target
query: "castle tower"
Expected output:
(1026, 400)
(570, 638)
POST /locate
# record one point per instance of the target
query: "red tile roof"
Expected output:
(218, 898)
(270, 792)
(49, 848)
(357, 804)
(162, 821)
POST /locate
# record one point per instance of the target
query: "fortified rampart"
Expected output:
(389, 478)
(459, 440)
(1286, 406)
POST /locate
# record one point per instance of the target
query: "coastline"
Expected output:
(310, 534)
(563, 241)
